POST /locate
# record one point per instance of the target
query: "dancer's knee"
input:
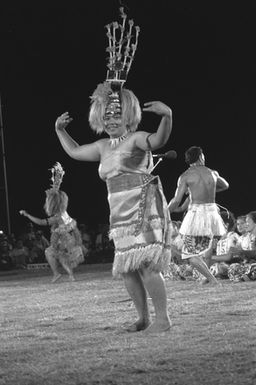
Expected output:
(148, 274)
(131, 276)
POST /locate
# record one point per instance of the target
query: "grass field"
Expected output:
(72, 332)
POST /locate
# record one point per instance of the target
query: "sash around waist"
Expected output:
(128, 182)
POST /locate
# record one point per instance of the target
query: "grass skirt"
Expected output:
(201, 229)
(66, 245)
(140, 224)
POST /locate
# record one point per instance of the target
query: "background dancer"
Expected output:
(139, 219)
(202, 223)
(66, 243)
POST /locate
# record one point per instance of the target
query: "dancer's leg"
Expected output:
(202, 267)
(138, 294)
(155, 286)
(53, 265)
(69, 270)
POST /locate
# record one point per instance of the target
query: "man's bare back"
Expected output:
(201, 182)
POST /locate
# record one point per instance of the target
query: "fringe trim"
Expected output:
(202, 225)
(154, 257)
(72, 258)
(151, 224)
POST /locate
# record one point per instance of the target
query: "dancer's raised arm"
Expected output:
(161, 136)
(87, 152)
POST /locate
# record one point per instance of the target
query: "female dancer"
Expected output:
(139, 219)
(66, 243)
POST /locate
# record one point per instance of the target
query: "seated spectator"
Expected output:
(86, 238)
(243, 256)
(5, 259)
(107, 244)
(19, 255)
(227, 241)
(99, 238)
(29, 236)
(241, 227)
(102, 241)
(12, 240)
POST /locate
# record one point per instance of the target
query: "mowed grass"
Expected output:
(72, 332)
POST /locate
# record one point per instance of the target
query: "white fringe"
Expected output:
(155, 257)
(123, 231)
(203, 220)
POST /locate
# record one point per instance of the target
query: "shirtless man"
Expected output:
(202, 224)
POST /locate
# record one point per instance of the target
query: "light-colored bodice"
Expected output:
(65, 223)
(119, 160)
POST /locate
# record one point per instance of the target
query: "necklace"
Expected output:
(196, 164)
(116, 141)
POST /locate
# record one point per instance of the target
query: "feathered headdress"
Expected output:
(57, 175)
(122, 45)
(56, 200)
(121, 49)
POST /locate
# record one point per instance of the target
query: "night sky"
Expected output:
(199, 57)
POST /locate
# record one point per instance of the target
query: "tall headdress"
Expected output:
(56, 199)
(57, 176)
(122, 45)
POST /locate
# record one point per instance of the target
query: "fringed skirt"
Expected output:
(66, 245)
(201, 229)
(140, 224)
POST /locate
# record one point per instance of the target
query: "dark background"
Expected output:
(196, 56)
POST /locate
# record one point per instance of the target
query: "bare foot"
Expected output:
(158, 327)
(138, 326)
(212, 282)
(204, 281)
(56, 277)
(71, 278)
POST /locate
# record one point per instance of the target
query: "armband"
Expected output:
(148, 142)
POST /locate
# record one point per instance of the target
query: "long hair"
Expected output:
(131, 112)
(56, 202)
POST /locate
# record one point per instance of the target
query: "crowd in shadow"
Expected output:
(28, 248)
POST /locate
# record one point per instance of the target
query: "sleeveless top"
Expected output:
(121, 160)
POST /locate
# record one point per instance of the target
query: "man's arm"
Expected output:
(221, 184)
(184, 206)
(180, 191)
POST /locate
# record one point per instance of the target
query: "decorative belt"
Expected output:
(128, 182)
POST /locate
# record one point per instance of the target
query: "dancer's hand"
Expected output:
(158, 108)
(62, 121)
(23, 212)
